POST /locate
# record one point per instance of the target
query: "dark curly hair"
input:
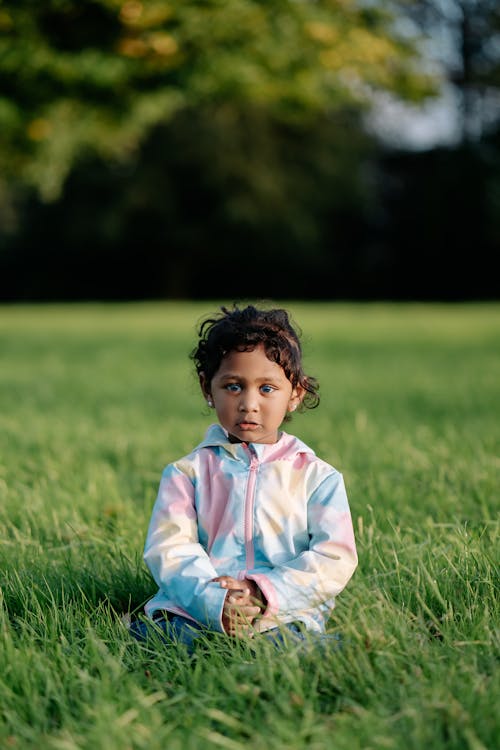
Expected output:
(243, 330)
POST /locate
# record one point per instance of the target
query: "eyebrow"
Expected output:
(235, 376)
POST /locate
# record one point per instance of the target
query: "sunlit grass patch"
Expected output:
(95, 400)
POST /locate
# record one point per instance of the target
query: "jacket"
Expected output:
(273, 513)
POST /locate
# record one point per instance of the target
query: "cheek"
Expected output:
(222, 403)
(281, 408)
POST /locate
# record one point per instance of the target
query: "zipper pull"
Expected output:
(254, 462)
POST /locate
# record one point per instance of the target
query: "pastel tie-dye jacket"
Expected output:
(274, 513)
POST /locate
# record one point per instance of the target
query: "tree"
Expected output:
(83, 77)
(464, 38)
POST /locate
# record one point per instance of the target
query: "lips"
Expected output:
(247, 425)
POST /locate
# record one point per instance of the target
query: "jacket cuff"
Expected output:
(212, 607)
(269, 592)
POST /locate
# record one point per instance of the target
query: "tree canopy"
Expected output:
(80, 77)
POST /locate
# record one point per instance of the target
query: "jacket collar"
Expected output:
(286, 447)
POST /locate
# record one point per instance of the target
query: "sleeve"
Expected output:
(319, 573)
(178, 562)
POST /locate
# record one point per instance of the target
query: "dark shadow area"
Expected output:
(393, 225)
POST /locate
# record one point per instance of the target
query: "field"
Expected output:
(95, 400)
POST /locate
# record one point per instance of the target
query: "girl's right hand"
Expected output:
(245, 589)
(243, 604)
(238, 615)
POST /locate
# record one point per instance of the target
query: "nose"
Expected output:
(248, 401)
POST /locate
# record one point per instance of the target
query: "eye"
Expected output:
(233, 387)
(267, 388)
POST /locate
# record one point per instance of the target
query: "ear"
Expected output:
(298, 394)
(205, 389)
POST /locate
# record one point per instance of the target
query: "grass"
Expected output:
(95, 400)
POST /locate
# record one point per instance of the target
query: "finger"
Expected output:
(239, 598)
(257, 603)
(244, 599)
(233, 583)
(245, 611)
(250, 613)
(245, 619)
(229, 581)
(241, 604)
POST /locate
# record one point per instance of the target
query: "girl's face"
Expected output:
(251, 395)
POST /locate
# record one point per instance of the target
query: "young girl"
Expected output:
(251, 531)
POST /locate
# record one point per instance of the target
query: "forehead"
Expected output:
(252, 364)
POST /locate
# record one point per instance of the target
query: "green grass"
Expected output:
(95, 400)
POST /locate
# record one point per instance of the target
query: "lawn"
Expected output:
(95, 400)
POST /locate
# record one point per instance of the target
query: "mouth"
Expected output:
(247, 425)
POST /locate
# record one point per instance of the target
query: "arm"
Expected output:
(177, 561)
(321, 572)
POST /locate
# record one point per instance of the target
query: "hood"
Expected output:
(286, 447)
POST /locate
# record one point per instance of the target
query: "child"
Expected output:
(251, 531)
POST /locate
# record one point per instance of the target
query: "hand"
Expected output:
(245, 592)
(237, 618)
(244, 589)
(244, 602)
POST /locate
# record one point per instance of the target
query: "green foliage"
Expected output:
(95, 400)
(87, 76)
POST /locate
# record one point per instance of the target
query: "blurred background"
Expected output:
(335, 149)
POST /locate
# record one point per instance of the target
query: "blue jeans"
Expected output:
(178, 629)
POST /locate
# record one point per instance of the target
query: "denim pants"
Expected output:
(178, 629)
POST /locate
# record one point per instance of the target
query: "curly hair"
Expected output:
(243, 330)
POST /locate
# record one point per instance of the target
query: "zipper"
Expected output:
(249, 503)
